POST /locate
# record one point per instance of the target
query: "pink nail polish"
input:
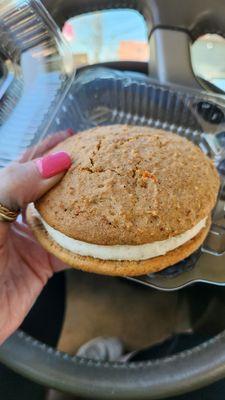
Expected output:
(53, 164)
(70, 132)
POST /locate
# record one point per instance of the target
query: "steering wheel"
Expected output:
(171, 28)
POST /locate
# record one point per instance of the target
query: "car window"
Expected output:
(121, 35)
(208, 59)
(112, 35)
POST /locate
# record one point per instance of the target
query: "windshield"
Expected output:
(121, 35)
(113, 35)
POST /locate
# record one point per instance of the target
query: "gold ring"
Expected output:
(7, 215)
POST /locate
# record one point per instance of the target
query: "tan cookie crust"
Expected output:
(130, 185)
(114, 268)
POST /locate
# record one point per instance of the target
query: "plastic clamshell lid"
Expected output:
(37, 70)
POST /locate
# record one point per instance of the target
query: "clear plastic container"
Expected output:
(101, 96)
(39, 96)
(37, 71)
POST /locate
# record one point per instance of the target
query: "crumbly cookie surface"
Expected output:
(130, 185)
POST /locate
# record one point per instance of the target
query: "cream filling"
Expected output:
(123, 252)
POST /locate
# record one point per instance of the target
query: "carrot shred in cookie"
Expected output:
(147, 174)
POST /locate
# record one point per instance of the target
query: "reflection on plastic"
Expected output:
(42, 71)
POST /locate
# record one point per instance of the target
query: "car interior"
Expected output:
(162, 335)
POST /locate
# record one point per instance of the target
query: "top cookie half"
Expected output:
(130, 185)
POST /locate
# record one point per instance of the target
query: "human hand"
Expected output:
(25, 266)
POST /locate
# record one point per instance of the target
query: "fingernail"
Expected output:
(53, 164)
(70, 132)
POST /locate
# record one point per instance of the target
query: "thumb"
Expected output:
(22, 183)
